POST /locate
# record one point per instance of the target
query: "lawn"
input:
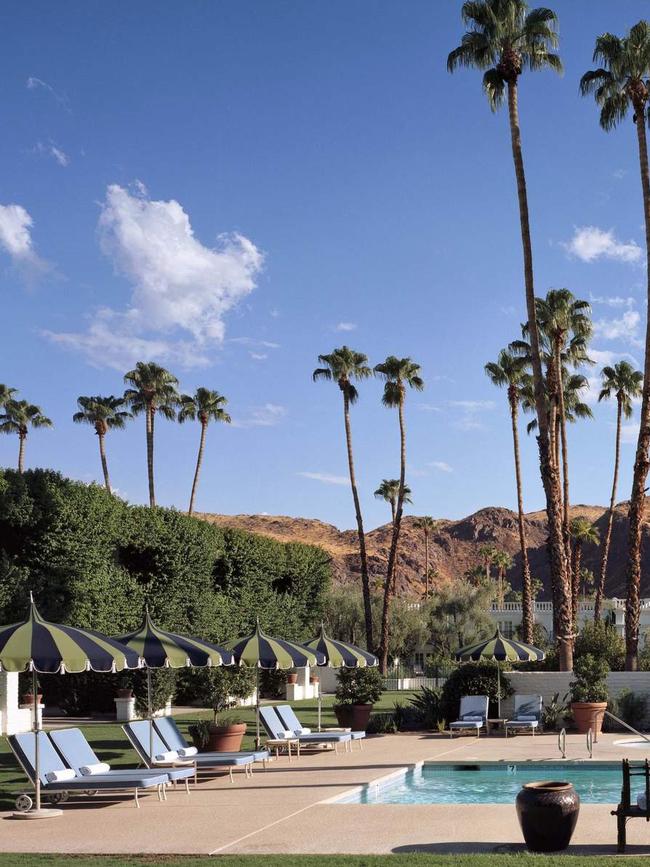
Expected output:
(110, 743)
(520, 860)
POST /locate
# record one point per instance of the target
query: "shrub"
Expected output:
(601, 640)
(382, 724)
(472, 678)
(632, 707)
(427, 702)
(555, 711)
(359, 686)
(590, 684)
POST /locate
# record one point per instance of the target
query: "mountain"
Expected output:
(453, 547)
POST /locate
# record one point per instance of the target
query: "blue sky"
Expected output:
(233, 188)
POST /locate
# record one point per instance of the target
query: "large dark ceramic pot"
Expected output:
(353, 716)
(547, 812)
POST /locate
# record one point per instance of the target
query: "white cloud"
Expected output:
(443, 466)
(590, 243)
(253, 341)
(180, 288)
(346, 326)
(630, 433)
(258, 356)
(619, 174)
(268, 415)
(34, 83)
(613, 300)
(429, 407)
(325, 478)
(625, 327)
(16, 240)
(471, 412)
(53, 151)
(609, 356)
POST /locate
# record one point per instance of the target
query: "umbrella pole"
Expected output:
(498, 690)
(257, 707)
(319, 709)
(150, 715)
(37, 748)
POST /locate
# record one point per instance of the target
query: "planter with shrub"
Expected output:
(357, 692)
(473, 678)
(226, 732)
(589, 693)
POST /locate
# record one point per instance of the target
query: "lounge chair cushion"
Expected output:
(96, 768)
(641, 801)
(527, 719)
(469, 717)
(60, 776)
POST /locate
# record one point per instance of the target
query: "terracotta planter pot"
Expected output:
(588, 715)
(314, 679)
(28, 698)
(547, 813)
(353, 716)
(292, 678)
(226, 738)
(124, 693)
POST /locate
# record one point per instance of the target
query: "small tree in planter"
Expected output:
(589, 693)
(357, 691)
(226, 731)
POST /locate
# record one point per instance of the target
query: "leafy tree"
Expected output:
(583, 532)
(625, 383)
(473, 678)
(104, 414)
(510, 371)
(206, 406)
(600, 639)
(428, 526)
(503, 39)
(398, 374)
(343, 366)
(457, 615)
(621, 83)
(153, 390)
(17, 418)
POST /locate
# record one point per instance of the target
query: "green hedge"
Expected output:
(93, 561)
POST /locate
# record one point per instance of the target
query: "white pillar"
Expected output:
(13, 718)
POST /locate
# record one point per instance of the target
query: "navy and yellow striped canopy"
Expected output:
(262, 651)
(501, 649)
(161, 649)
(338, 654)
(50, 648)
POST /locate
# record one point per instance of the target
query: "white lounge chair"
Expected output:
(527, 715)
(473, 715)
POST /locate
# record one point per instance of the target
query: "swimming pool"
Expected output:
(488, 783)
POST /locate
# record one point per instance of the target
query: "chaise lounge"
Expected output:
(276, 730)
(528, 713)
(473, 715)
(171, 735)
(291, 723)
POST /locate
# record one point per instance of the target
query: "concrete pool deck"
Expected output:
(281, 810)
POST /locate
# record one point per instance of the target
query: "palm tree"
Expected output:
(6, 393)
(503, 561)
(398, 373)
(583, 533)
(153, 391)
(206, 406)
(104, 414)
(428, 526)
(487, 553)
(503, 39)
(510, 371)
(619, 83)
(388, 490)
(344, 365)
(625, 383)
(18, 417)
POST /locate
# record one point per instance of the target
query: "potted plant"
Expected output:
(292, 677)
(589, 693)
(200, 733)
(357, 691)
(225, 732)
(124, 688)
(28, 696)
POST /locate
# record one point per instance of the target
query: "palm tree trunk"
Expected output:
(102, 456)
(365, 582)
(549, 473)
(575, 585)
(426, 564)
(600, 589)
(565, 459)
(199, 461)
(526, 584)
(21, 451)
(149, 418)
(389, 587)
(641, 464)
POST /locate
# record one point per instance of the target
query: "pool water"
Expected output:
(490, 783)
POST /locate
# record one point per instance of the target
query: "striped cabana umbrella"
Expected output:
(161, 649)
(50, 648)
(500, 649)
(259, 650)
(338, 654)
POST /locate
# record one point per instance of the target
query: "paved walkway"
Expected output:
(281, 810)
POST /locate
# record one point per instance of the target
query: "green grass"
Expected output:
(110, 743)
(520, 860)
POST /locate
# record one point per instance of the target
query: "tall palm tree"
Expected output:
(388, 490)
(428, 526)
(510, 371)
(398, 374)
(18, 417)
(504, 38)
(619, 83)
(487, 553)
(625, 383)
(342, 366)
(104, 414)
(503, 562)
(206, 406)
(6, 393)
(583, 533)
(153, 391)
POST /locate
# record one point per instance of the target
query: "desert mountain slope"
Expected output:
(453, 548)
